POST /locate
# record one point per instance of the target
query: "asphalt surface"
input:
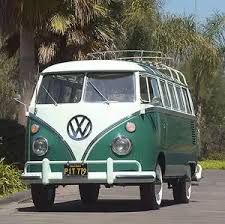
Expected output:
(122, 205)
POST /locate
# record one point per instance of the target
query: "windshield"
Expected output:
(61, 89)
(109, 88)
(99, 87)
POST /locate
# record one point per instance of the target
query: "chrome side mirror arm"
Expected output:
(17, 99)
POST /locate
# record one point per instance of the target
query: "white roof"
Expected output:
(94, 65)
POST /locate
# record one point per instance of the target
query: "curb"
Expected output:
(17, 197)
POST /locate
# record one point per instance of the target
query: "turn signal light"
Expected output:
(130, 127)
(34, 128)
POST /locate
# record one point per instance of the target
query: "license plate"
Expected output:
(72, 170)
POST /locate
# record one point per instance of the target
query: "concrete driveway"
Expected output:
(122, 205)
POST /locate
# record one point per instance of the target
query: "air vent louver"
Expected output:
(193, 130)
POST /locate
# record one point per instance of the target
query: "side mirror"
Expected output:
(156, 101)
(17, 98)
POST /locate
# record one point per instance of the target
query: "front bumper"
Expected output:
(108, 177)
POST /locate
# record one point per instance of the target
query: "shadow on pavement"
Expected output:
(109, 206)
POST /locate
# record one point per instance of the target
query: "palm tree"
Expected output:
(73, 19)
(215, 30)
(140, 20)
(23, 17)
(69, 37)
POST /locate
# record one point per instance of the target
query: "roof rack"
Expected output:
(154, 59)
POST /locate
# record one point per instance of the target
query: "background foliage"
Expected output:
(8, 69)
(9, 179)
(68, 30)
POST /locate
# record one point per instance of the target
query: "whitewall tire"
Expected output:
(151, 194)
(182, 188)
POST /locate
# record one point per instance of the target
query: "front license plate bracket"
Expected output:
(75, 170)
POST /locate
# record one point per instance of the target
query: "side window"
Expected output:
(173, 97)
(187, 100)
(153, 88)
(165, 94)
(144, 89)
(180, 98)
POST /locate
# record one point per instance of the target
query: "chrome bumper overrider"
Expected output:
(108, 177)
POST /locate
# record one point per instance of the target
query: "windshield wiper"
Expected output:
(55, 103)
(99, 92)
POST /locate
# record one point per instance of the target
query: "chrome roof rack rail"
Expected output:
(154, 59)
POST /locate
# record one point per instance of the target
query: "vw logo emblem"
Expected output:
(79, 127)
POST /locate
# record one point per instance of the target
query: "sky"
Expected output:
(205, 8)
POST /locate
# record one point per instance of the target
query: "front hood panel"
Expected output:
(80, 124)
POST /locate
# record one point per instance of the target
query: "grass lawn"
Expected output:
(213, 164)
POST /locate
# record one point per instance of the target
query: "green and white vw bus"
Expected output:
(126, 121)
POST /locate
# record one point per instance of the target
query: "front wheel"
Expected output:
(182, 188)
(151, 194)
(89, 193)
(43, 196)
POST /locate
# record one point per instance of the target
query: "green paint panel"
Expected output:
(144, 145)
(156, 131)
(58, 149)
(179, 147)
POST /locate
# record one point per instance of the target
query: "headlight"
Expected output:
(121, 146)
(40, 146)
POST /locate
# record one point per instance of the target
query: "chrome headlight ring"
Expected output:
(40, 146)
(121, 146)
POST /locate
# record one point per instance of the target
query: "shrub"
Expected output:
(213, 164)
(10, 181)
(12, 146)
(214, 156)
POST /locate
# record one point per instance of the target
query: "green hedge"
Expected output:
(214, 156)
(213, 164)
(12, 145)
(10, 181)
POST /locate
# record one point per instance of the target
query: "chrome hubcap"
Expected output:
(188, 184)
(158, 185)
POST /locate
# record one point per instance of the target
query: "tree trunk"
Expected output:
(27, 69)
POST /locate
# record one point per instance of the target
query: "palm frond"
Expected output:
(86, 10)
(60, 23)
(77, 37)
(215, 29)
(46, 52)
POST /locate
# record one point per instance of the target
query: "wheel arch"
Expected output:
(162, 162)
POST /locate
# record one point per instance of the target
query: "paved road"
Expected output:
(122, 205)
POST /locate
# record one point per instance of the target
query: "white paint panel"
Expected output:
(101, 115)
(94, 65)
